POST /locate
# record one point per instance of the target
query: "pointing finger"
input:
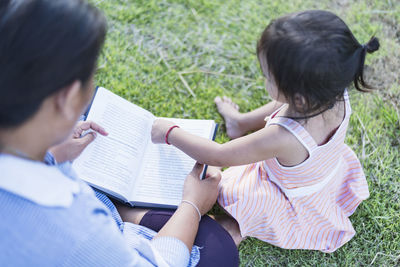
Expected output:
(86, 125)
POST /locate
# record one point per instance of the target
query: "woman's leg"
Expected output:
(129, 214)
(231, 226)
(217, 246)
(238, 124)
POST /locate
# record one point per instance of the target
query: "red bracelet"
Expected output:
(168, 132)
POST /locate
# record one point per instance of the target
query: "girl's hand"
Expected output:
(73, 147)
(203, 193)
(159, 130)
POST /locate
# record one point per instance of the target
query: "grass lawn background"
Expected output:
(174, 57)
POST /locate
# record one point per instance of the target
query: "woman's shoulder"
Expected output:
(84, 211)
(63, 232)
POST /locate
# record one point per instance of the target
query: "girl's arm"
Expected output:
(251, 148)
(254, 120)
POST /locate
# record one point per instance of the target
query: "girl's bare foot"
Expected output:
(231, 226)
(230, 111)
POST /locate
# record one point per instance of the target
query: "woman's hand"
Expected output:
(73, 147)
(159, 130)
(203, 193)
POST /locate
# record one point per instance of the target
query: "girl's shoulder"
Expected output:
(290, 150)
(299, 138)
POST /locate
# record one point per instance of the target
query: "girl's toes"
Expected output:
(227, 99)
(217, 100)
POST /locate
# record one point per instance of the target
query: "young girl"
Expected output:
(295, 182)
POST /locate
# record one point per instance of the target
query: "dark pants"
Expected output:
(217, 246)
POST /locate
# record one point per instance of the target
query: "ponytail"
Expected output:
(370, 47)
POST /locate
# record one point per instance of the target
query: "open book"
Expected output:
(126, 164)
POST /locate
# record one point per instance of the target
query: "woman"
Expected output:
(48, 53)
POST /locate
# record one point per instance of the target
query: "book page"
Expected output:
(113, 161)
(166, 167)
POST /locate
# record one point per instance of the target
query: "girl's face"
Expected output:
(271, 86)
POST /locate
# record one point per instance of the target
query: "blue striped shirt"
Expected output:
(48, 217)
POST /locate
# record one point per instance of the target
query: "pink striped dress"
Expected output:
(300, 207)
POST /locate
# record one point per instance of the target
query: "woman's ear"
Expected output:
(299, 101)
(68, 100)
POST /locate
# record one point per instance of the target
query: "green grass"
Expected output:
(211, 45)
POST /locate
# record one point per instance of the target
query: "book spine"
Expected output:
(84, 115)
(203, 176)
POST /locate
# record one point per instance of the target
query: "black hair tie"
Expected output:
(372, 45)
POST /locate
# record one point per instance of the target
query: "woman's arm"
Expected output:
(251, 148)
(184, 224)
(181, 229)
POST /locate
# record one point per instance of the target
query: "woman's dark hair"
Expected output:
(313, 54)
(45, 45)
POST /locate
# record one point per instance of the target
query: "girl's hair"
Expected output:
(313, 54)
(45, 45)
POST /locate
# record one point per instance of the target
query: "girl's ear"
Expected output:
(299, 101)
(68, 99)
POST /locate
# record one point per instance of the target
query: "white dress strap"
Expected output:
(297, 130)
(347, 104)
(273, 114)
